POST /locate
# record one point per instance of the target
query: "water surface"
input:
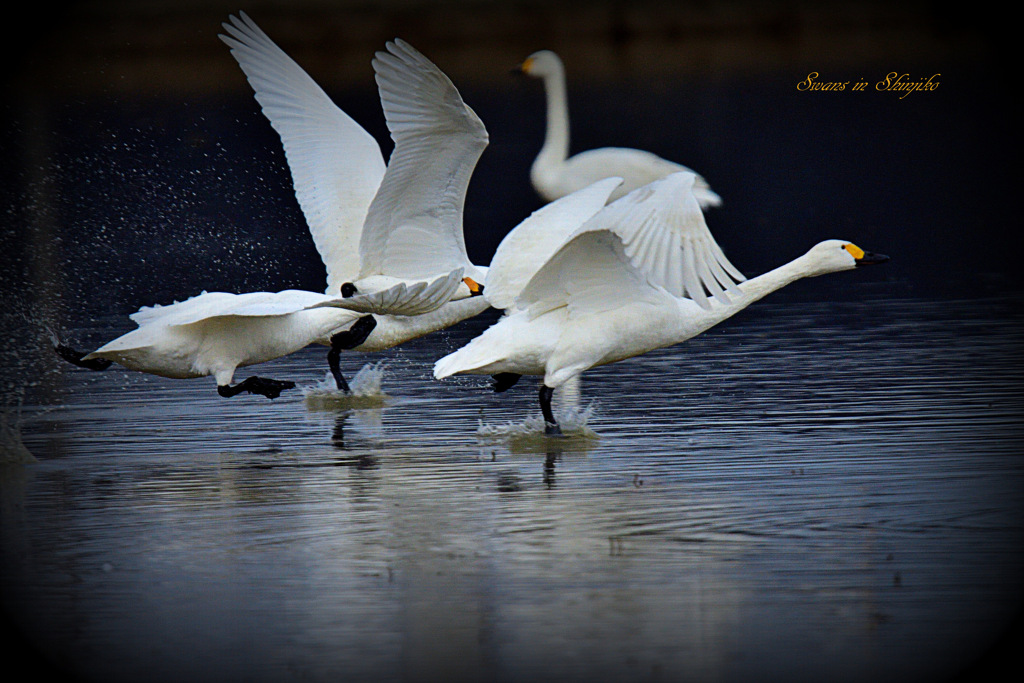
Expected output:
(811, 491)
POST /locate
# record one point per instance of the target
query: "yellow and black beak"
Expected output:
(475, 288)
(864, 258)
(523, 68)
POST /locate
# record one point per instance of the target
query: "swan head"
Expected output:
(832, 256)
(469, 287)
(540, 64)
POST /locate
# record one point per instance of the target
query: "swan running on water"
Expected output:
(390, 236)
(554, 173)
(642, 274)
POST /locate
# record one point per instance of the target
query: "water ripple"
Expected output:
(801, 472)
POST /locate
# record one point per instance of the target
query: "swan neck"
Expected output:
(761, 286)
(556, 137)
(751, 290)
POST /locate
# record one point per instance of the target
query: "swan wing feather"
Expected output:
(529, 245)
(209, 305)
(665, 235)
(277, 303)
(415, 298)
(591, 274)
(336, 165)
(414, 227)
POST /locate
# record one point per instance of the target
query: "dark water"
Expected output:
(818, 491)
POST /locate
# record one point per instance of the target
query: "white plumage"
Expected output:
(349, 197)
(600, 298)
(404, 220)
(375, 225)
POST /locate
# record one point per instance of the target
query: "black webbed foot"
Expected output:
(75, 358)
(271, 388)
(504, 381)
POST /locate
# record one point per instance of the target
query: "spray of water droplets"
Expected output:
(366, 385)
(572, 419)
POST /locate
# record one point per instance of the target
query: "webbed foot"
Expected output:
(271, 388)
(504, 381)
(75, 358)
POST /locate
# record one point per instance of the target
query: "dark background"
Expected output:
(139, 169)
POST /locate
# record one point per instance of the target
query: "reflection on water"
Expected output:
(810, 492)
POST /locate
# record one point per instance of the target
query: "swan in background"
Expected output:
(404, 220)
(554, 173)
(642, 274)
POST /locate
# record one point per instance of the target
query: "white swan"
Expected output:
(405, 219)
(603, 298)
(555, 174)
(375, 225)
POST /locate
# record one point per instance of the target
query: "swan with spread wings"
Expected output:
(641, 274)
(390, 235)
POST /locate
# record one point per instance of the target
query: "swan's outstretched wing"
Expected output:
(529, 245)
(403, 298)
(276, 303)
(336, 166)
(218, 304)
(414, 226)
(590, 274)
(191, 308)
(665, 236)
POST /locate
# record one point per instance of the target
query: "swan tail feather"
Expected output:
(471, 359)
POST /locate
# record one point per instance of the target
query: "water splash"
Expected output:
(572, 419)
(27, 359)
(366, 385)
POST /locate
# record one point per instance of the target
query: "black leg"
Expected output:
(271, 388)
(550, 424)
(504, 381)
(355, 335)
(75, 358)
(349, 339)
(333, 357)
